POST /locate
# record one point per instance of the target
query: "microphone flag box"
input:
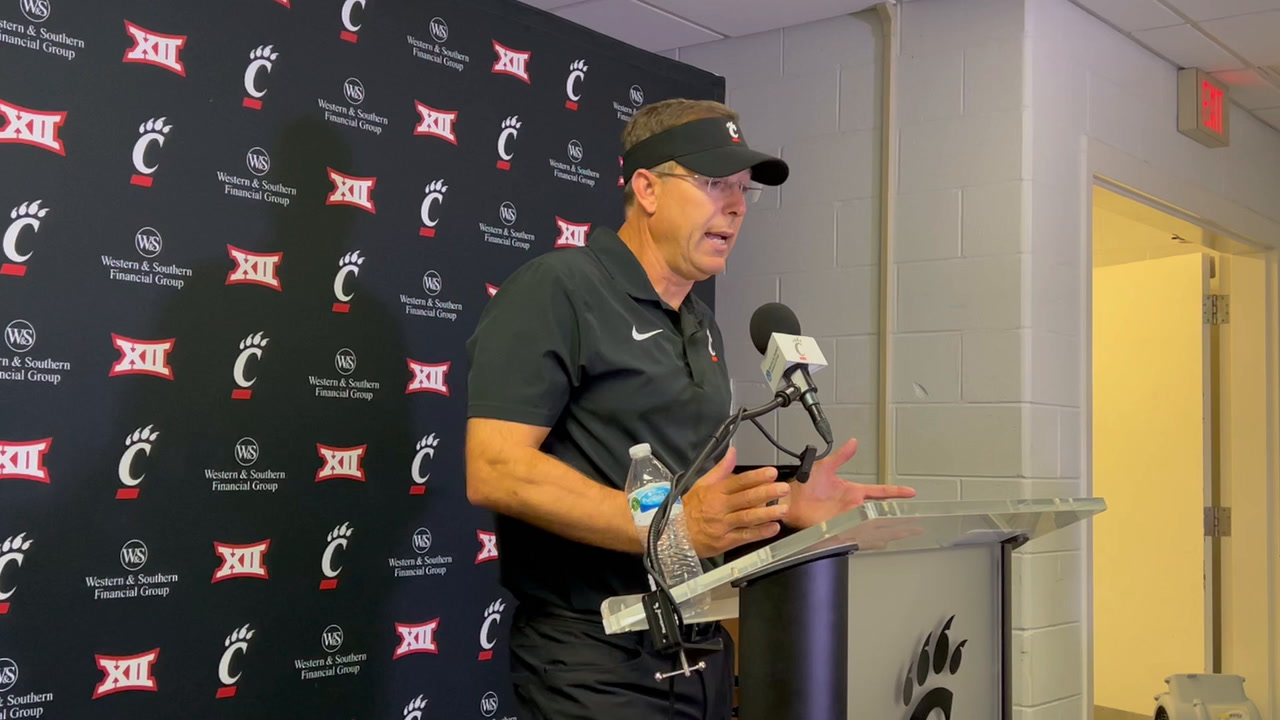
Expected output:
(786, 351)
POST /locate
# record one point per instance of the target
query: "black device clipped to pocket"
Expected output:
(668, 638)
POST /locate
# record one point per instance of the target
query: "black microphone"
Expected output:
(775, 317)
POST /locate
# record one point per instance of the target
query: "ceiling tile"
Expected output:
(740, 17)
(549, 4)
(1130, 15)
(1256, 36)
(637, 24)
(1210, 9)
(1186, 47)
(1249, 90)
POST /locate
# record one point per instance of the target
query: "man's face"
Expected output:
(695, 229)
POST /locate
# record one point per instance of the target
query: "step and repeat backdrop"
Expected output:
(242, 245)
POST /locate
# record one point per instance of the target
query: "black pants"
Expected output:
(564, 667)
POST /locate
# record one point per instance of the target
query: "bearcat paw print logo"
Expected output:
(351, 260)
(141, 435)
(18, 543)
(264, 52)
(437, 186)
(511, 122)
(928, 669)
(154, 125)
(29, 210)
(254, 341)
(342, 531)
(431, 442)
(239, 635)
(580, 65)
(495, 608)
(413, 711)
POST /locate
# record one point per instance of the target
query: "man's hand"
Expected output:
(825, 495)
(724, 510)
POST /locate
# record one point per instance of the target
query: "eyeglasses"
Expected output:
(719, 188)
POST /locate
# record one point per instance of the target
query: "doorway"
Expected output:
(1181, 560)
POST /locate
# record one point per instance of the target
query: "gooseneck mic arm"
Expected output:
(664, 617)
(809, 398)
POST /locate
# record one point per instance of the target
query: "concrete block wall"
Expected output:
(810, 93)
(962, 421)
(1090, 86)
(981, 406)
(998, 101)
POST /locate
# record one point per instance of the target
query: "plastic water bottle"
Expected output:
(648, 484)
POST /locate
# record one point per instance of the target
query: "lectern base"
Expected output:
(794, 645)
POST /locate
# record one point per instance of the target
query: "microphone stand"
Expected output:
(664, 617)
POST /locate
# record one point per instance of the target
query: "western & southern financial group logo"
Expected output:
(37, 36)
(148, 243)
(258, 162)
(436, 50)
(343, 386)
(423, 563)
(134, 556)
(511, 235)
(20, 337)
(333, 663)
(574, 171)
(348, 114)
(246, 452)
(433, 306)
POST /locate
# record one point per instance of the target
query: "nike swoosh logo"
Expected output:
(643, 336)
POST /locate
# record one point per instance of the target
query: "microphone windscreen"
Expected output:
(772, 318)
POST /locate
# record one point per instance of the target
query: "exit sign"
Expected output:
(1203, 108)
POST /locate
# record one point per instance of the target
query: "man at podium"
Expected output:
(585, 352)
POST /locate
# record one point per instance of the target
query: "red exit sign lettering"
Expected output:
(1203, 108)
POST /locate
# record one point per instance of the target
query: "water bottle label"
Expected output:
(645, 501)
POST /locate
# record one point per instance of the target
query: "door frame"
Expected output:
(1117, 171)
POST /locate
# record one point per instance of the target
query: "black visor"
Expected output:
(714, 147)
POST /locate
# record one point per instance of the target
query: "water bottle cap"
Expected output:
(641, 450)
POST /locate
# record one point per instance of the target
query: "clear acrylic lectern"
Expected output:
(896, 609)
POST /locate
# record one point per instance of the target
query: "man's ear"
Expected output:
(644, 185)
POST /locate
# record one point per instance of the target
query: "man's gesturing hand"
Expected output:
(724, 510)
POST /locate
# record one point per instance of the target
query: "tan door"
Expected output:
(1150, 451)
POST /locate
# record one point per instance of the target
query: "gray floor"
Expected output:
(1104, 713)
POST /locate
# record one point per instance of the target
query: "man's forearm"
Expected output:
(543, 491)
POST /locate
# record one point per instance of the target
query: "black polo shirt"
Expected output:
(578, 341)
